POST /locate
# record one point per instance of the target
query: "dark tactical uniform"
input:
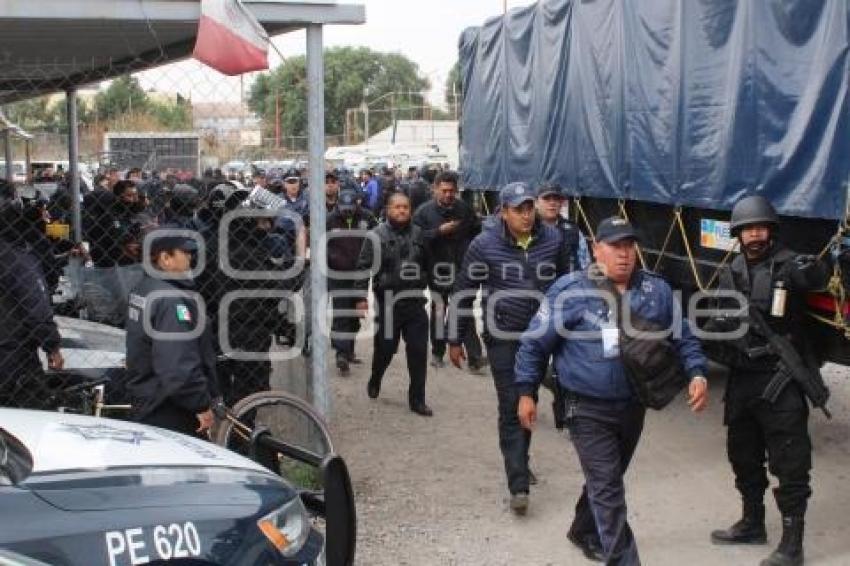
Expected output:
(170, 378)
(756, 426)
(342, 254)
(26, 323)
(445, 256)
(402, 270)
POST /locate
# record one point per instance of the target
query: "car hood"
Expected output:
(62, 443)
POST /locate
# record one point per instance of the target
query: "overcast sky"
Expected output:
(426, 31)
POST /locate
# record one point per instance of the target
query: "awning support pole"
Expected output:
(73, 161)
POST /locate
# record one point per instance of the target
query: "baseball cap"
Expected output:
(347, 201)
(331, 176)
(168, 238)
(514, 194)
(549, 189)
(290, 174)
(615, 229)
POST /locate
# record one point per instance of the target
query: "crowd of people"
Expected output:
(555, 312)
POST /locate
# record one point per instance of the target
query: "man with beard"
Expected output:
(171, 376)
(448, 225)
(398, 282)
(774, 281)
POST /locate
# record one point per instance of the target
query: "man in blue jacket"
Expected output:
(514, 260)
(578, 325)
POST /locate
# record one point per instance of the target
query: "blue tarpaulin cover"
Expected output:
(681, 102)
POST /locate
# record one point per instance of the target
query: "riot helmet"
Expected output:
(753, 210)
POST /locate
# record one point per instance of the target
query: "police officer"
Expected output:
(171, 377)
(346, 227)
(398, 282)
(448, 226)
(768, 274)
(550, 201)
(604, 417)
(26, 318)
(514, 260)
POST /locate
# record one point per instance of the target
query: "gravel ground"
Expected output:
(432, 491)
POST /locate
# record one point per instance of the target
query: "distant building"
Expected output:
(408, 142)
(226, 120)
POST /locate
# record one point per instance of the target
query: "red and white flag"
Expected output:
(230, 39)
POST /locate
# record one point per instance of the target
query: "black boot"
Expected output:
(749, 530)
(790, 549)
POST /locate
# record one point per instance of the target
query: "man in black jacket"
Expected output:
(26, 319)
(171, 360)
(448, 225)
(346, 228)
(774, 281)
(398, 282)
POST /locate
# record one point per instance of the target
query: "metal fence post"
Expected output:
(73, 161)
(318, 215)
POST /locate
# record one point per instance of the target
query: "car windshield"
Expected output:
(15, 460)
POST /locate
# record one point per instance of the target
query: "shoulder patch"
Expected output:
(137, 300)
(183, 313)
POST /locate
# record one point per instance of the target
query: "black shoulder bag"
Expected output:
(652, 363)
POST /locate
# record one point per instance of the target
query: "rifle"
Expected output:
(793, 368)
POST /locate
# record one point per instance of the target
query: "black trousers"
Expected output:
(343, 325)
(759, 431)
(173, 417)
(405, 318)
(439, 313)
(514, 441)
(23, 383)
(239, 378)
(605, 435)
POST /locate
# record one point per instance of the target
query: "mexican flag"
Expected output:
(230, 39)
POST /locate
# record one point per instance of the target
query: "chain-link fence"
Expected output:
(177, 147)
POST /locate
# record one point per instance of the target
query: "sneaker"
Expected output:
(519, 503)
(437, 362)
(422, 409)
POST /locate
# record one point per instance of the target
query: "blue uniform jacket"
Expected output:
(579, 361)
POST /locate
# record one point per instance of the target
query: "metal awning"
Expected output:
(53, 45)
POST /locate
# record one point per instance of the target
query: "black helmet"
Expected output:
(753, 210)
(185, 199)
(227, 196)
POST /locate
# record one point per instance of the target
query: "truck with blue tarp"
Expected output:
(668, 112)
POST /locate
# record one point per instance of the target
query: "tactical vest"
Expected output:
(402, 259)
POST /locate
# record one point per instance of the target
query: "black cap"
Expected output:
(170, 238)
(549, 189)
(331, 176)
(347, 201)
(291, 173)
(514, 194)
(615, 229)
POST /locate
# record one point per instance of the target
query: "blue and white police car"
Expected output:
(91, 491)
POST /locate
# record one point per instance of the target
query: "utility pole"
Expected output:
(277, 120)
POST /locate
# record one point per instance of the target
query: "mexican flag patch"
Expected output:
(183, 314)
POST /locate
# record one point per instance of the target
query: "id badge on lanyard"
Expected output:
(610, 342)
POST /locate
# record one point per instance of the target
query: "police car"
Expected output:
(91, 491)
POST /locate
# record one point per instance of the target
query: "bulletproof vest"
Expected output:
(757, 283)
(402, 259)
(571, 235)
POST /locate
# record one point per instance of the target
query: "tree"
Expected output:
(124, 96)
(454, 86)
(393, 82)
